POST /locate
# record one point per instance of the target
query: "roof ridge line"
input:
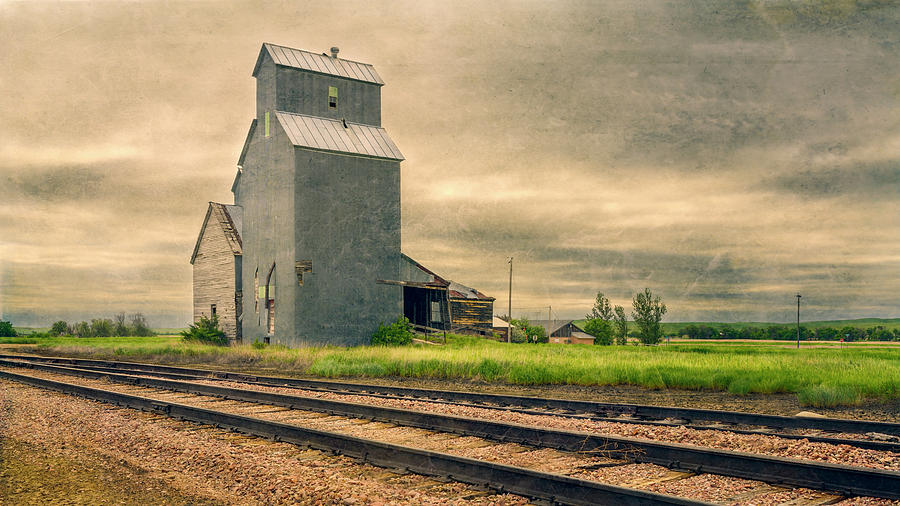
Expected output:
(319, 54)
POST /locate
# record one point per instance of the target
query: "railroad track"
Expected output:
(611, 451)
(812, 429)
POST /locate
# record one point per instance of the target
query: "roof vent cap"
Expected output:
(334, 51)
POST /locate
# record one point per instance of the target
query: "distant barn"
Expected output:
(563, 331)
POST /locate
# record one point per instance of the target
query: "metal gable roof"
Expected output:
(321, 63)
(338, 136)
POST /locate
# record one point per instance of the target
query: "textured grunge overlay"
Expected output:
(724, 154)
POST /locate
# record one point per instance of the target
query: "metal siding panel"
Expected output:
(346, 138)
(335, 130)
(308, 61)
(292, 57)
(271, 51)
(358, 146)
(326, 134)
(388, 143)
(379, 137)
(293, 131)
(345, 68)
(280, 56)
(329, 64)
(364, 71)
(393, 147)
(318, 140)
(366, 143)
(375, 76)
(357, 73)
(330, 143)
(285, 122)
(317, 62)
(376, 148)
(307, 133)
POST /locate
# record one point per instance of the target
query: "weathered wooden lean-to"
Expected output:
(432, 302)
(217, 268)
(318, 189)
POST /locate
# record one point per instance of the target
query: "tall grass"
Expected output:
(818, 376)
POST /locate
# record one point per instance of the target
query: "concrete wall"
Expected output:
(267, 198)
(347, 213)
(213, 273)
(294, 90)
(339, 212)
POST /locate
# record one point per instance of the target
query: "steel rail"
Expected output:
(858, 443)
(504, 478)
(849, 480)
(570, 405)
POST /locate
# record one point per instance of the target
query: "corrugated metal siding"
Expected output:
(330, 135)
(290, 57)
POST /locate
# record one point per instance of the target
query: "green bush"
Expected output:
(7, 330)
(258, 345)
(533, 333)
(518, 335)
(102, 327)
(82, 329)
(59, 328)
(601, 330)
(205, 331)
(396, 334)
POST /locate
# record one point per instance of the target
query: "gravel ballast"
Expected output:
(182, 463)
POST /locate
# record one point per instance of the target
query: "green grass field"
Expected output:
(820, 377)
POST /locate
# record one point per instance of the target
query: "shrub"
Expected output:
(517, 335)
(533, 333)
(59, 328)
(601, 330)
(82, 329)
(258, 345)
(206, 331)
(140, 327)
(396, 334)
(102, 328)
(7, 330)
(121, 328)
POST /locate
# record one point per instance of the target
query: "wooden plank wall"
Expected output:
(214, 278)
(472, 312)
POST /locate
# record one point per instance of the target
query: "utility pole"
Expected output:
(549, 310)
(509, 309)
(798, 321)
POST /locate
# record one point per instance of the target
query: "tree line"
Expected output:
(789, 332)
(120, 325)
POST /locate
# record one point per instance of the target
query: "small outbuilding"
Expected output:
(216, 262)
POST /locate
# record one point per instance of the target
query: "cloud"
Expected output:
(867, 181)
(724, 154)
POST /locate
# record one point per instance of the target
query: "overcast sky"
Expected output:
(724, 154)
